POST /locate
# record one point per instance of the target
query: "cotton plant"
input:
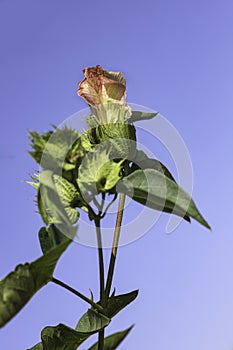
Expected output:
(87, 171)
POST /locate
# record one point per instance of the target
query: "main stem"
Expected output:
(104, 292)
(101, 277)
(114, 246)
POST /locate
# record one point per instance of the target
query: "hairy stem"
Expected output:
(80, 295)
(115, 245)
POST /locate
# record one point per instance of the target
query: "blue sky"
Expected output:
(177, 58)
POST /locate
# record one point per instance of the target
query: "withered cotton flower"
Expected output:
(100, 86)
(105, 92)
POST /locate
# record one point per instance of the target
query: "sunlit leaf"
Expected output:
(153, 189)
(118, 302)
(38, 143)
(62, 337)
(69, 196)
(91, 321)
(142, 161)
(17, 288)
(97, 173)
(55, 203)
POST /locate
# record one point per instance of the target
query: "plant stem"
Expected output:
(101, 259)
(115, 245)
(101, 340)
(80, 295)
(101, 277)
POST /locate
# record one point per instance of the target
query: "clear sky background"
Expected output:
(177, 57)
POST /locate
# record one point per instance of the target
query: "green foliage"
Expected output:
(38, 346)
(142, 161)
(15, 291)
(17, 288)
(116, 303)
(92, 321)
(57, 200)
(50, 237)
(112, 341)
(75, 169)
(97, 173)
(120, 137)
(38, 143)
(69, 197)
(107, 132)
(43, 211)
(153, 189)
(58, 150)
(62, 337)
(138, 116)
(92, 124)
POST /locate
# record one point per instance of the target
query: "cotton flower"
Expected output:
(105, 92)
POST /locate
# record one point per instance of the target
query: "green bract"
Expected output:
(98, 173)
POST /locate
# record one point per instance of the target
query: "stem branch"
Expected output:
(80, 295)
(115, 245)
(101, 258)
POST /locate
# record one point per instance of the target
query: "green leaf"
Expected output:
(92, 321)
(153, 189)
(60, 150)
(57, 202)
(42, 209)
(50, 237)
(51, 149)
(69, 196)
(112, 341)
(119, 302)
(97, 173)
(62, 337)
(38, 143)
(142, 161)
(108, 175)
(38, 346)
(138, 116)
(17, 288)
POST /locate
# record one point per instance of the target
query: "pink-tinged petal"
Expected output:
(101, 86)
